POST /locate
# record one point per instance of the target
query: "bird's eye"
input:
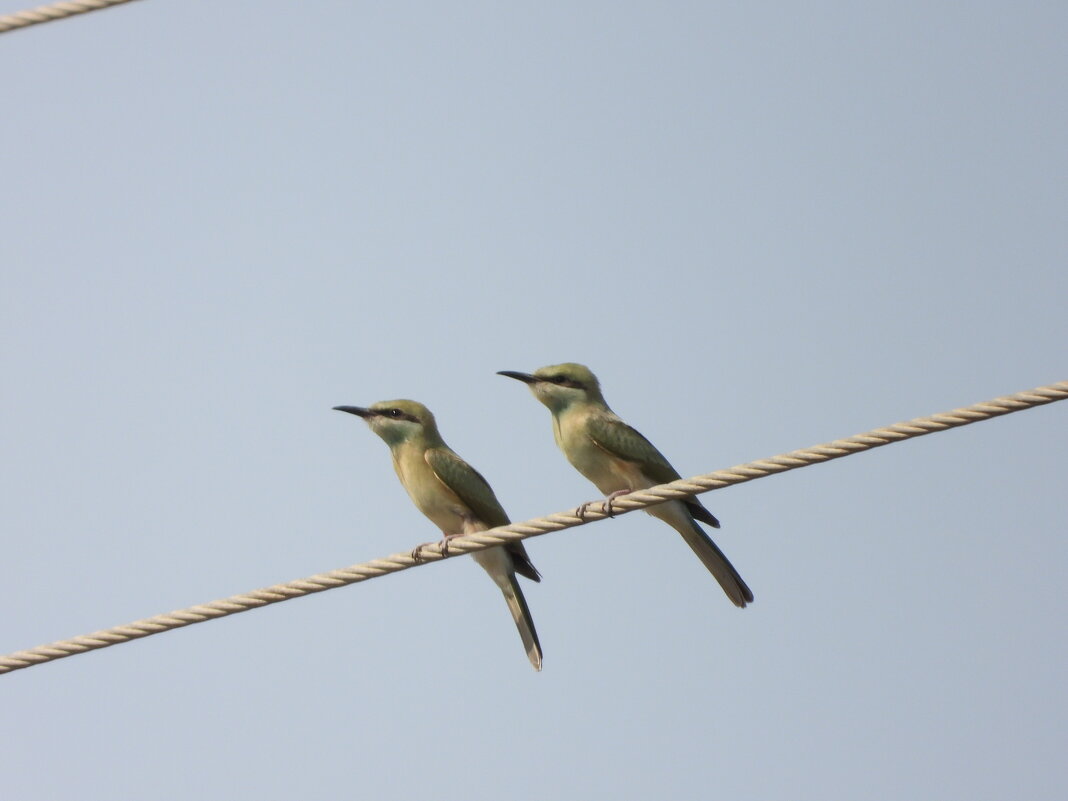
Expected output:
(559, 379)
(395, 412)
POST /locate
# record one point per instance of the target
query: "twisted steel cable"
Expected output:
(541, 525)
(49, 13)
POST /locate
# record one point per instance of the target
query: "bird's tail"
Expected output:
(517, 605)
(499, 564)
(707, 551)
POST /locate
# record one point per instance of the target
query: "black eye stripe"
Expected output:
(564, 381)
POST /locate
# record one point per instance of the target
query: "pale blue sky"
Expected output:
(763, 225)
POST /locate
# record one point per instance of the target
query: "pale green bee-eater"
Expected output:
(618, 460)
(456, 498)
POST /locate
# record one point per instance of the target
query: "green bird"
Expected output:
(619, 460)
(456, 498)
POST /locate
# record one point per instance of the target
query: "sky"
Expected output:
(764, 226)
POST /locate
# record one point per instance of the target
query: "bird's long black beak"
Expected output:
(359, 411)
(526, 378)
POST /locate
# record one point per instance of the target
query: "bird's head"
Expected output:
(396, 421)
(559, 386)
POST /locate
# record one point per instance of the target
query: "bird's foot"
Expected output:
(580, 513)
(417, 551)
(607, 503)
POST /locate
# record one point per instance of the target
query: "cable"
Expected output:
(541, 525)
(35, 16)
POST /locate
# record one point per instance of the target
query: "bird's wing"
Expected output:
(622, 441)
(468, 484)
(617, 438)
(474, 491)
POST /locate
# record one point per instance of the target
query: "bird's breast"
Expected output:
(435, 500)
(608, 472)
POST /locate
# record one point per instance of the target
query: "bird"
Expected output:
(619, 460)
(455, 497)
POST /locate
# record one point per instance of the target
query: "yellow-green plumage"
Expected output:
(618, 459)
(455, 497)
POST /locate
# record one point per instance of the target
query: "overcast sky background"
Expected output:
(763, 225)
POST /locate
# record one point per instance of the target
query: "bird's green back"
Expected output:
(468, 484)
(619, 439)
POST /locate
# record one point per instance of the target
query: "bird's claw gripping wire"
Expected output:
(606, 504)
(417, 551)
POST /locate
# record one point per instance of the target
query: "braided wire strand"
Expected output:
(531, 528)
(49, 13)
